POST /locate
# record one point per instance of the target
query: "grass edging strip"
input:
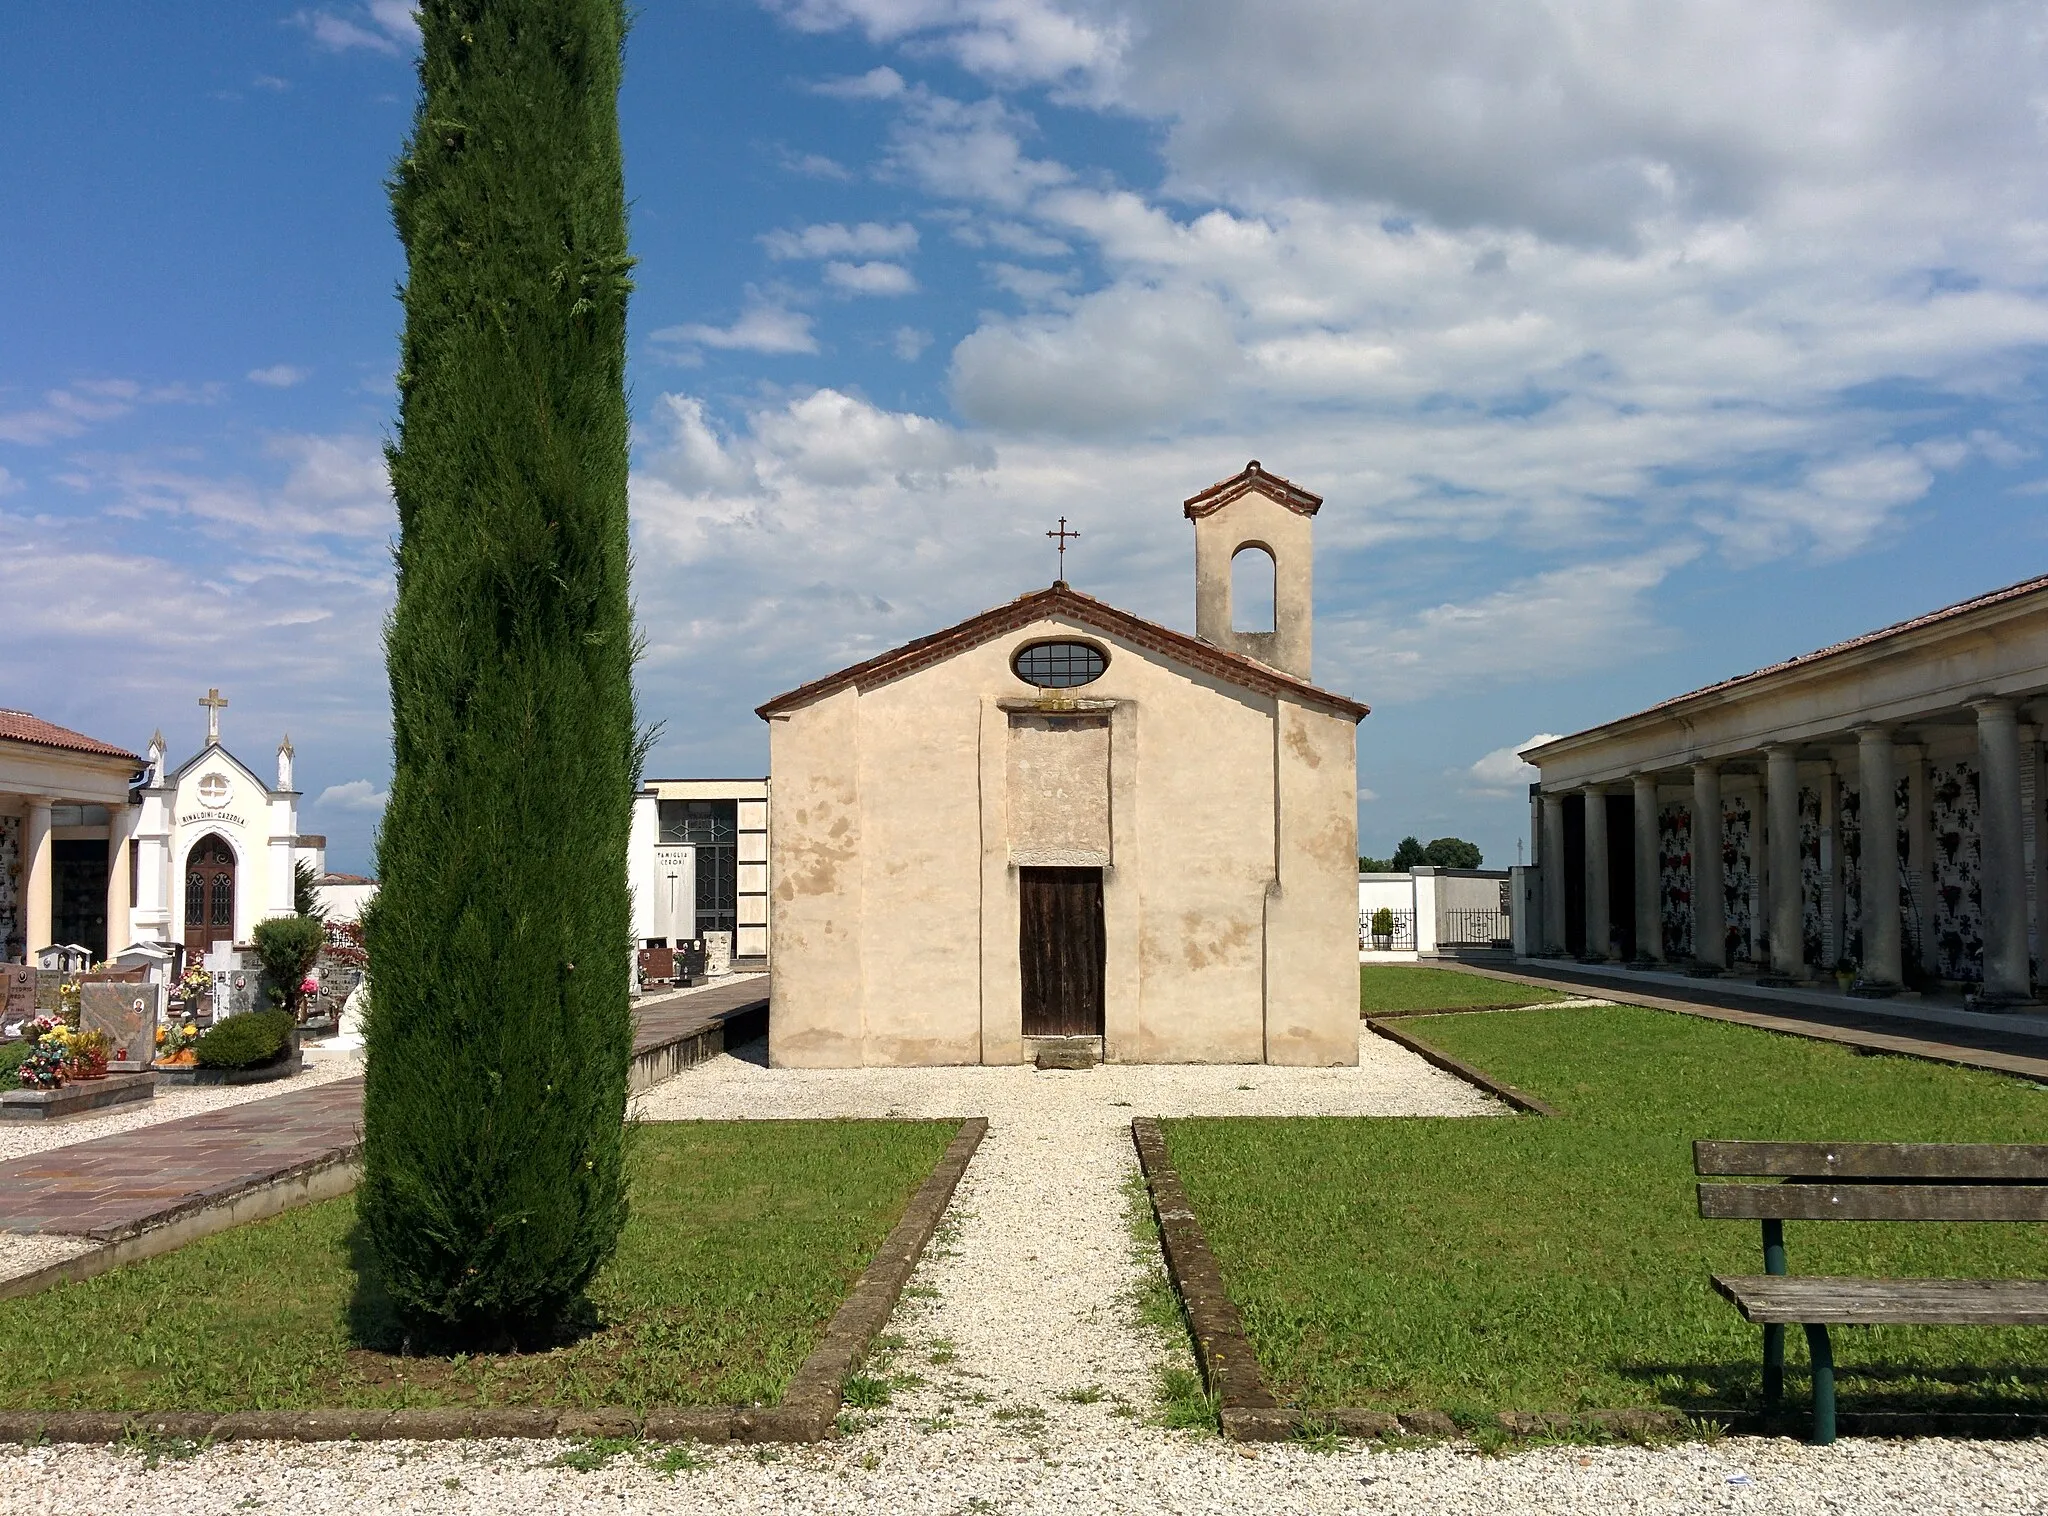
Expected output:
(1479, 1078)
(1246, 1409)
(808, 1411)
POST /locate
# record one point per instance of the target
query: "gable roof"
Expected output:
(20, 726)
(1062, 601)
(1250, 478)
(201, 756)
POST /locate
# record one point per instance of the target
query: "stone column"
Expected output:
(120, 873)
(1599, 920)
(1878, 903)
(2031, 761)
(1781, 778)
(38, 876)
(1709, 904)
(1833, 844)
(1649, 881)
(1553, 873)
(2007, 976)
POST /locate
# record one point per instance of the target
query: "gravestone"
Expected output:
(17, 993)
(127, 1013)
(717, 953)
(48, 983)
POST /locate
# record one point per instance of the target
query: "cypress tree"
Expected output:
(493, 1180)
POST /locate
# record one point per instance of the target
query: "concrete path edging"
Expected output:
(1476, 1077)
(808, 1412)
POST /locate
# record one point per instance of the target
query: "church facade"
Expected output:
(103, 849)
(1060, 821)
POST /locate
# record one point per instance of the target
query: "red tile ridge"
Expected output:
(1247, 479)
(20, 726)
(1063, 600)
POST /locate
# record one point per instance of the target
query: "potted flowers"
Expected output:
(195, 987)
(1383, 930)
(85, 1053)
(43, 1069)
(175, 1044)
(1845, 973)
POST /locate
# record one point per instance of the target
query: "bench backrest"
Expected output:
(1874, 1181)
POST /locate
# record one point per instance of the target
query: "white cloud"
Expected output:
(970, 151)
(1501, 774)
(909, 343)
(1587, 616)
(761, 328)
(875, 84)
(334, 486)
(381, 26)
(1016, 40)
(815, 166)
(281, 376)
(71, 411)
(868, 239)
(356, 795)
(1127, 357)
(870, 278)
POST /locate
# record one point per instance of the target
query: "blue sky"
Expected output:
(1631, 347)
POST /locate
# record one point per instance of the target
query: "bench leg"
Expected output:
(1823, 1354)
(1774, 1366)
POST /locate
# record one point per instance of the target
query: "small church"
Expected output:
(1060, 823)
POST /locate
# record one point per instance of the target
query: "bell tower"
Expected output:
(1250, 528)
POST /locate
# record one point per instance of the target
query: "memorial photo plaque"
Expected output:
(127, 1014)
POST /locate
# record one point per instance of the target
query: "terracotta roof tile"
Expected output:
(1991, 598)
(20, 726)
(1061, 600)
(1251, 477)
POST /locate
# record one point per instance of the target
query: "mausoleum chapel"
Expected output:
(101, 848)
(1060, 823)
(1738, 827)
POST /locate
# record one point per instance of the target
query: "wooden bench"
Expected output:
(1869, 1181)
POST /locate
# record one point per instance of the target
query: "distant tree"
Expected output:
(1452, 853)
(1444, 853)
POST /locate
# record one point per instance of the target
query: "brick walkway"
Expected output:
(114, 1187)
(2004, 1052)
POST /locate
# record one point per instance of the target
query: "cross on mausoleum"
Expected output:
(214, 702)
(1063, 534)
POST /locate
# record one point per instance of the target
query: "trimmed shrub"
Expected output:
(12, 1056)
(288, 946)
(245, 1041)
(493, 1113)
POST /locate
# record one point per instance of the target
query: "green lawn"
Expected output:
(1524, 1263)
(743, 1240)
(1384, 988)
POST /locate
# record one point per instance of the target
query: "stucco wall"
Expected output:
(896, 834)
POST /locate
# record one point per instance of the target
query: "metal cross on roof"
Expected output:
(215, 703)
(1063, 534)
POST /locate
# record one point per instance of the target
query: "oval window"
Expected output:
(1060, 665)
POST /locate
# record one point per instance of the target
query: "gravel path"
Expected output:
(1144, 1471)
(1033, 1374)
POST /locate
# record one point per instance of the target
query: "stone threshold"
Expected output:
(809, 1411)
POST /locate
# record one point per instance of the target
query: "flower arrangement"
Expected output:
(175, 1044)
(68, 996)
(195, 984)
(43, 1069)
(85, 1053)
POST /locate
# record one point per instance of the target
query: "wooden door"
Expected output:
(209, 894)
(1062, 950)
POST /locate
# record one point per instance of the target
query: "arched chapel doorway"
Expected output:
(209, 894)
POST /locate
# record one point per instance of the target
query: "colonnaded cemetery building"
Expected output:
(1741, 826)
(1091, 827)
